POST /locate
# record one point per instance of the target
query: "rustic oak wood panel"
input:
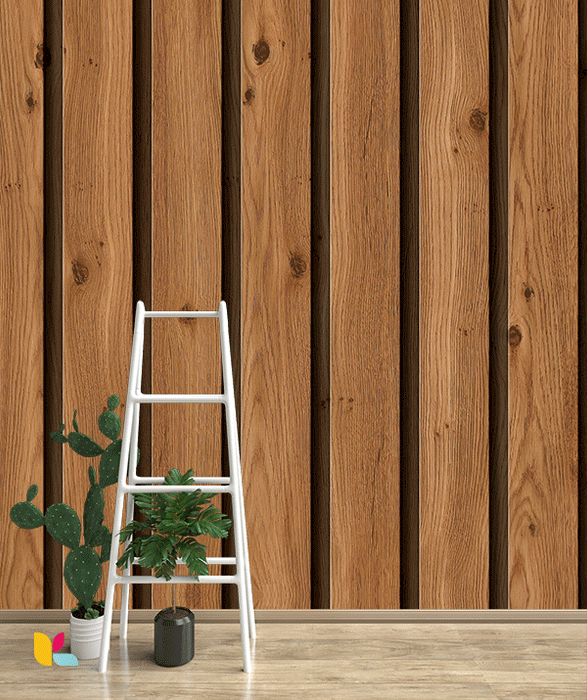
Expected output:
(543, 304)
(21, 294)
(364, 296)
(454, 300)
(186, 253)
(97, 256)
(275, 390)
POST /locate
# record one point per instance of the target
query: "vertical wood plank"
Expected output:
(186, 245)
(364, 292)
(454, 92)
(543, 304)
(276, 409)
(97, 237)
(21, 294)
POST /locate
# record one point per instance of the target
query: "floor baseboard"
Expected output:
(325, 616)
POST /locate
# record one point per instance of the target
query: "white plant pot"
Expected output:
(86, 636)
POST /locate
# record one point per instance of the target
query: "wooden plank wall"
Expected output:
(364, 306)
(543, 301)
(454, 307)
(96, 233)
(21, 290)
(388, 197)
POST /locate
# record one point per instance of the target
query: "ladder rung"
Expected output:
(227, 561)
(142, 480)
(175, 579)
(156, 488)
(181, 314)
(178, 398)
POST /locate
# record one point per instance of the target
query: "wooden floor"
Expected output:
(324, 661)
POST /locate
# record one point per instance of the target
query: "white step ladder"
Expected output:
(137, 484)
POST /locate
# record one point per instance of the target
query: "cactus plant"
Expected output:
(179, 518)
(83, 566)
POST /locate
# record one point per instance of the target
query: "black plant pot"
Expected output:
(174, 636)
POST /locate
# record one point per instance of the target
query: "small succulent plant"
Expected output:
(176, 519)
(83, 566)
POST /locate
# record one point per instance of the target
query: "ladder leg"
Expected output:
(116, 524)
(122, 475)
(234, 461)
(245, 546)
(130, 509)
(241, 584)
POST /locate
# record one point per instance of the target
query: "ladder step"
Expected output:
(228, 561)
(175, 579)
(143, 480)
(181, 314)
(178, 398)
(156, 488)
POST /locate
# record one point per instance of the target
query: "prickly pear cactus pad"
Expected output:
(84, 445)
(109, 463)
(109, 424)
(93, 515)
(26, 515)
(83, 573)
(63, 524)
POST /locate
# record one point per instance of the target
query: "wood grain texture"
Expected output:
(364, 294)
(97, 240)
(346, 661)
(21, 294)
(275, 391)
(454, 300)
(186, 254)
(543, 304)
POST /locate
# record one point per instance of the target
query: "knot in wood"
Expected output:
(298, 265)
(515, 336)
(477, 120)
(261, 51)
(249, 94)
(43, 56)
(80, 272)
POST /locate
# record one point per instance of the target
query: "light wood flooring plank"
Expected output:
(375, 661)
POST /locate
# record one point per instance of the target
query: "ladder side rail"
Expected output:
(124, 455)
(234, 453)
(130, 499)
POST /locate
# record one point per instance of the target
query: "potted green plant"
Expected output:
(82, 569)
(176, 521)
